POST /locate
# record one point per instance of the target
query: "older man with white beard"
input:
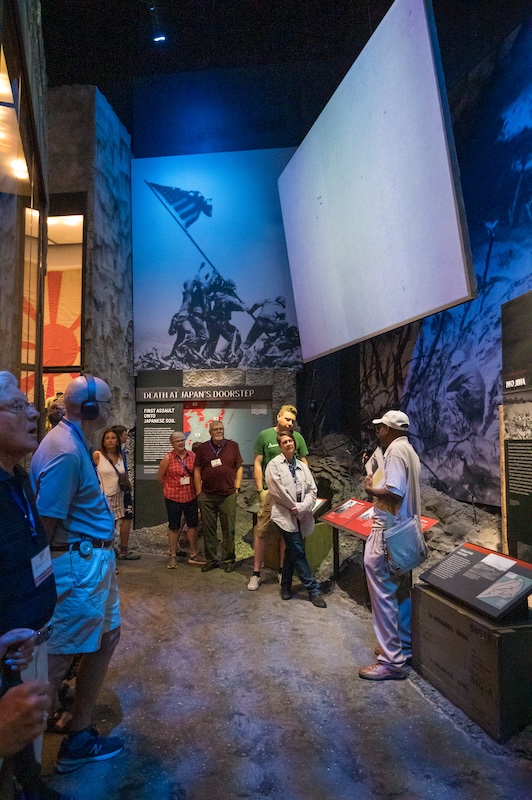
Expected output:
(27, 600)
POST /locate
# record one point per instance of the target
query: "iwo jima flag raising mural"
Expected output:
(202, 315)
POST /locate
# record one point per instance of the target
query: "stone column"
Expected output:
(90, 152)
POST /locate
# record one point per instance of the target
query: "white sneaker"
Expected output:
(279, 577)
(254, 583)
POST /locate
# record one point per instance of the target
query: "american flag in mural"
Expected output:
(203, 320)
(188, 205)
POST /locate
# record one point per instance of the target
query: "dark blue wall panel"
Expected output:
(235, 109)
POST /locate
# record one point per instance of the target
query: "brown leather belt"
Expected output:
(75, 545)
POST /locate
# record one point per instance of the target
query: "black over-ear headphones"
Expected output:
(90, 410)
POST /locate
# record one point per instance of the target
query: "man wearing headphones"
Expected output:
(80, 528)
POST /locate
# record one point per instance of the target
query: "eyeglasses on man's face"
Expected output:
(20, 407)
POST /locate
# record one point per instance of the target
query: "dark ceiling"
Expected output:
(109, 42)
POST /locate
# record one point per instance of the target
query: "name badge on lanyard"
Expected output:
(184, 480)
(41, 566)
(217, 462)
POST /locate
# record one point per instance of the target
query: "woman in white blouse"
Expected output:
(111, 470)
(293, 492)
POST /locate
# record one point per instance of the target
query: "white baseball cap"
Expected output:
(394, 419)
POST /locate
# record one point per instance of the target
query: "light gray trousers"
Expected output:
(390, 603)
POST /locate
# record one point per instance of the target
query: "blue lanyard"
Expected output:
(25, 507)
(183, 463)
(81, 438)
(77, 431)
(292, 467)
(214, 450)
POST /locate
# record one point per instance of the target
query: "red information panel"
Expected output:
(356, 517)
(351, 516)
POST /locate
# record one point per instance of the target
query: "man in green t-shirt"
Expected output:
(265, 449)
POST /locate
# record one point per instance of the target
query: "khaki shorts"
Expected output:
(265, 529)
(88, 604)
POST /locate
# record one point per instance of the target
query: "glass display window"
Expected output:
(63, 303)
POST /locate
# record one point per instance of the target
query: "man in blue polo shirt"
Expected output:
(80, 528)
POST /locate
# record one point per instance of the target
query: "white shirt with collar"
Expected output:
(283, 488)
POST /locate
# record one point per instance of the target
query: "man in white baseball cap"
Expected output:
(394, 419)
(390, 597)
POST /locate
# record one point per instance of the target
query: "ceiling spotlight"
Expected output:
(158, 34)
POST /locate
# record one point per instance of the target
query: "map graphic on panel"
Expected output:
(240, 422)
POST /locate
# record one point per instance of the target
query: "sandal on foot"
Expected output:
(129, 555)
(197, 558)
(59, 722)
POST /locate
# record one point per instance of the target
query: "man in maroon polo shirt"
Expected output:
(217, 477)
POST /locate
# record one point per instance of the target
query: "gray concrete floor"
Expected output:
(221, 693)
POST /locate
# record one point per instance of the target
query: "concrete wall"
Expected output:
(90, 152)
(71, 141)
